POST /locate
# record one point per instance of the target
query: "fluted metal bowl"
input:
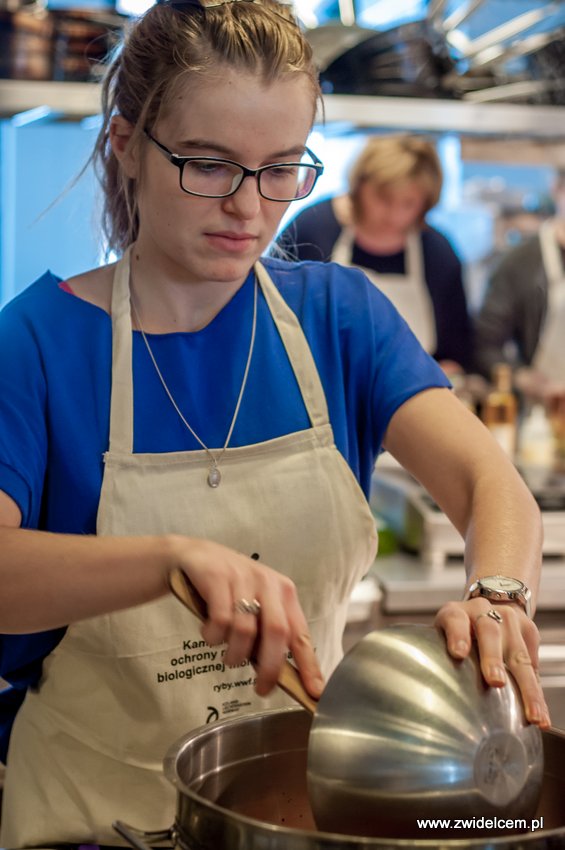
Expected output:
(404, 732)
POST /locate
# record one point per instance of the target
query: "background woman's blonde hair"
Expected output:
(388, 161)
(169, 45)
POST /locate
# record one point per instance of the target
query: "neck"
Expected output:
(167, 302)
(383, 242)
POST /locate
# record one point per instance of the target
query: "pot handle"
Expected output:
(136, 837)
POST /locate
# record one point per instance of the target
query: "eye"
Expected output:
(207, 167)
(283, 171)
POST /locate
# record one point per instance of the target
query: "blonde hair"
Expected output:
(387, 161)
(169, 44)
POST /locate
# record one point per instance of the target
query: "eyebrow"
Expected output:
(227, 153)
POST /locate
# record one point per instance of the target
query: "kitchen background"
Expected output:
(483, 79)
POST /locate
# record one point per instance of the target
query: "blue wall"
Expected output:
(41, 224)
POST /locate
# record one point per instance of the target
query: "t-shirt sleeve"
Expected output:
(403, 369)
(23, 432)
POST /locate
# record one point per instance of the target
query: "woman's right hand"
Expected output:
(223, 576)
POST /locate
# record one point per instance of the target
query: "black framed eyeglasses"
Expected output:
(214, 177)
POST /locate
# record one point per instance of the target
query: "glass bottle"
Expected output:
(500, 409)
(536, 439)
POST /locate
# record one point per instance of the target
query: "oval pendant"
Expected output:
(214, 477)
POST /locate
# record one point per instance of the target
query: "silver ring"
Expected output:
(243, 606)
(494, 615)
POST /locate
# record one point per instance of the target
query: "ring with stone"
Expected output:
(494, 615)
(243, 606)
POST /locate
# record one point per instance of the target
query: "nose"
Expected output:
(245, 203)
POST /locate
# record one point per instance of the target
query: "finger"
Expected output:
(244, 624)
(531, 637)
(521, 667)
(454, 622)
(307, 663)
(488, 630)
(219, 601)
(524, 668)
(273, 644)
(288, 629)
(304, 653)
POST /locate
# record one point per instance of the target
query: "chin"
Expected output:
(228, 270)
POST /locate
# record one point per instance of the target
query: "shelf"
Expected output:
(525, 151)
(78, 100)
(63, 100)
(444, 116)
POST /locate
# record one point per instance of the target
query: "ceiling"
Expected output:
(382, 14)
(480, 50)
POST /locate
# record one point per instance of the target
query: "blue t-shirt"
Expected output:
(55, 351)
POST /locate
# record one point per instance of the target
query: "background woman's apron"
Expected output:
(87, 746)
(408, 292)
(550, 352)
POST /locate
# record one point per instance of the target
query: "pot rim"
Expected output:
(169, 768)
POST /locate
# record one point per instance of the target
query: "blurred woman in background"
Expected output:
(379, 226)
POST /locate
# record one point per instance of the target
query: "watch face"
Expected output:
(502, 583)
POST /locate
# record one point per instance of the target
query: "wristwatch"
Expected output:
(501, 589)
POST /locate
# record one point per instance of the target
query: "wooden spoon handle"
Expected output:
(289, 678)
(184, 590)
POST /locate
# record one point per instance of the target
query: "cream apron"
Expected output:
(550, 352)
(87, 746)
(408, 292)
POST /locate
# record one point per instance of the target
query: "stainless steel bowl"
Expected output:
(404, 732)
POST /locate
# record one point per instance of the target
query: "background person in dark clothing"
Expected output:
(380, 227)
(522, 318)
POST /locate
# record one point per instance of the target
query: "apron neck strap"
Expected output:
(121, 393)
(551, 255)
(415, 256)
(297, 349)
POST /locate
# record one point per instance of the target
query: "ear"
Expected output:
(121, 132)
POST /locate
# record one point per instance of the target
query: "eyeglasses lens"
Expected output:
(287, 182)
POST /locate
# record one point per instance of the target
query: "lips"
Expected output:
(231, 242)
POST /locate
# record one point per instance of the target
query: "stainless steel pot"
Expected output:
(402, 731)
(241, 785)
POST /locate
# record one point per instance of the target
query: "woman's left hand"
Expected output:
(506, 640)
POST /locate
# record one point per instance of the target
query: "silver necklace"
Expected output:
(214, 475)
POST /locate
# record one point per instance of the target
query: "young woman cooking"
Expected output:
(194, 406)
